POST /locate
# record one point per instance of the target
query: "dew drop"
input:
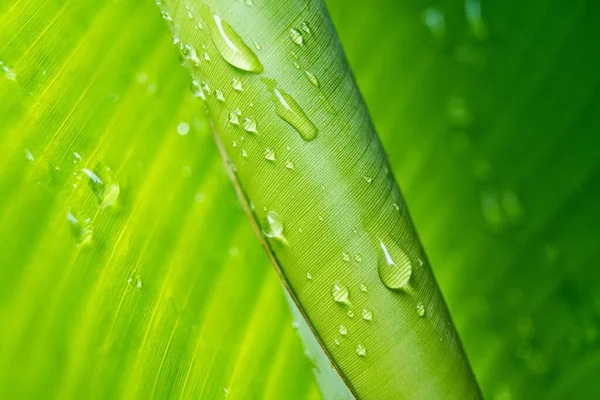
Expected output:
(272, 226)
(305, 28)
(81, 227)
(183, 128)
(358, 257)
(244, 154)
(135, 281)
(435, 21)
(308, 276)
(233, 118)
(367, 314)
(420, 310)
(396, 206)
(350, 314)
(339, 292)
(104, 185)
(296, 37)
(29, 155)
(296, 65)
(229, 43)
(345, 256)
(312, 78)
(197, 90)
(289, 164)
(288, 110)
(250, 125)
(368, 179)
(257, 45)
(295, 325)
(361, 350)
(394, 266)
(343, 330)
(219, 95)
(363, 288)
(337, 342)
(269, 154)
(8, 74)
(237, 85)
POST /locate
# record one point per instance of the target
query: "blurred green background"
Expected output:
(489, 113)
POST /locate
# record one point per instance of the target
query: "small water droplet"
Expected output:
(363, 288)
(28, 155)
(166, 16)
(250, 125)
(237, 85)
(8, 74)
(233, 118)
(368, 179)
(475, 20)
(104, 185)
(295, 325)
(394, 266)
(206, 56)
(350, 314)
(358, 257)
(197, 90)
(421, 310)
(361, 350)
(205, 87)
(189, 14)
(219, 95)
(337, 342)
(435, 21)
(229, 43)
(367, 314)
(183, 128)
(312, 78)
(135, 281)
(320, 218)
(420, 262)
(339, 291)
(81, 227)
(396, 206)
(225, 392)
(345, 256)
(343, 330)
(288, 110)
(308, 276)
(296, 37)
(269, 154)
(257, 45)
(272, 227)
(305, 28)
(289, 164)
(244, 154)
(249, 3)
(189, 52)
(296, 65)
(355, 231)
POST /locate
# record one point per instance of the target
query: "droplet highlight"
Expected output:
(394, 266)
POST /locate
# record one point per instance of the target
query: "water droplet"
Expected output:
(104, 185)
(435, 21)
(345, 256)
(289, 164)
(295, 325)
(394, 266)
(296, 37)
(343, 330)
(189, 14)
(250, 125)
(197, 90)
(166, 16)
(361, 350)
(244, 154)
(339, 291)
(269, 154)
(8, 74)
(396, 206)
(358, 257)
(368, 179)
(257, 45)
(305, 28)
(363, 288)
(189, 52)
(206, 56)
(367, 314)
(308, 276)
(225, 392)
(296, 65)
(205, 87)
(183, 128)
(288, 110)
(135, 281)
(475, 20)
(421, 310)
(350, 314)
(420, 262)
(229, 43)
(272, 226)
(28, 155)
(319, 217)
(337, 342)
(237, 85)
(81, 227)
(234, 117)
(249, 3)
(312, 78)
(219, 95)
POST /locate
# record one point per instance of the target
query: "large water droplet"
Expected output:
(229, 43)
(296, 36)
(339, 291)
(104, 185)
(272, 226)
(250, 125)
(270, 154)
(394, 266)
(233, 118)
(197, 90)
(81, 227)
(287, 108)
(361, 350)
